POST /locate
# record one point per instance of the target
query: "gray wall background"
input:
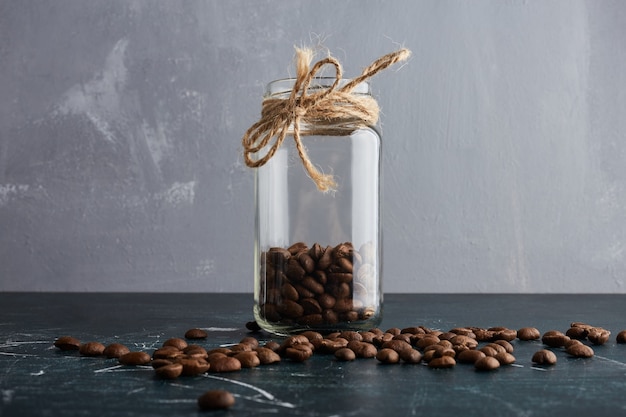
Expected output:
(120, 128)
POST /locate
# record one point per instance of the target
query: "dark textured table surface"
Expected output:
(37, 379)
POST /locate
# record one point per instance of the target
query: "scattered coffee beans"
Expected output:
(215, 400)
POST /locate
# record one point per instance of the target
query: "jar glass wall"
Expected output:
(318, 254)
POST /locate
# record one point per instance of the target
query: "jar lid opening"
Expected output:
(285, 85)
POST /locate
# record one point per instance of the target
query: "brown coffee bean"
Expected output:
(388, 356)
(350, 335)
(463, 340)
(158, 363)
(579, 333)
(290, 309)
(224, 364)
(91, 349)
(267, 356)
(169, 371)
(67, 343)
(299, 353)
(326, 301)
(215, 400)
(248, 359)
(297, 248)
(469, 356)
(442, 362)
(397, 345)
(427, 341)
(554, 338)
(411, 356)
(544, 357)
(272, 345)
(195, 351)
(167, 352)
(580, 350)
(289, 292)
(363, 349)
(528, 333)
(311, 306)
(598, 335)
(508, 347)
(345, 354)
(489, 351)
(307, 262)
(135, 358)
(621, 337)
(115, 350)
(498, 348)
(196, 334)
(176, 342)
(193, 366)
(504, 334)
(505, 358)
(312, 335)
(253, 326)
(488, 363)
(483, 335)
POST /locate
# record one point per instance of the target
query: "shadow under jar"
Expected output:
(318, 254)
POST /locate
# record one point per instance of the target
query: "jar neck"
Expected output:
(282, 88)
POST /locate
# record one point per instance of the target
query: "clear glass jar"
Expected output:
(318, 254)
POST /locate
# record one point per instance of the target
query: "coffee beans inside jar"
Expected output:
(317, 287)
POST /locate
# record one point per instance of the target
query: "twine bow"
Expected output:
(327, 106)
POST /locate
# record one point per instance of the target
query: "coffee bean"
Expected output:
(167, 352)
(135, 358)
(554, 338)
(388, 356)
(508, 347)
(397, 345)
(299, 353)
(489, 351)
(91, 349)
(216, 399)
(248, 359)
(345, 354)
(598, 335)
(115, 350)
(196, 334)
(193, 366)
(169, 371)
(267, 356)
(253, 326)
(67, 343)
(195, 351)
(158, 363)
(176, 342)
(580, 350)
(621, 337)
(442, 362)
(544, 357)
(579, 333)
(224, 364)
(505, 358)
(470, 356)
(488, 363)
(528, 333)
(411, 356)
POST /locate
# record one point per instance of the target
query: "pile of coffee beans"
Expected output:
(318, 286)
(487, 349)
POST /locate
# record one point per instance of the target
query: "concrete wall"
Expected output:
(120, 128)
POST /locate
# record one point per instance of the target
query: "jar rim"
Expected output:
(285, 85)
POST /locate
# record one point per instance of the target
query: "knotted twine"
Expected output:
(331, 106)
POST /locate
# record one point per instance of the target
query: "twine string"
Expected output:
(321, 108)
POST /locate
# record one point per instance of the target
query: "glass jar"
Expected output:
(317, 254)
